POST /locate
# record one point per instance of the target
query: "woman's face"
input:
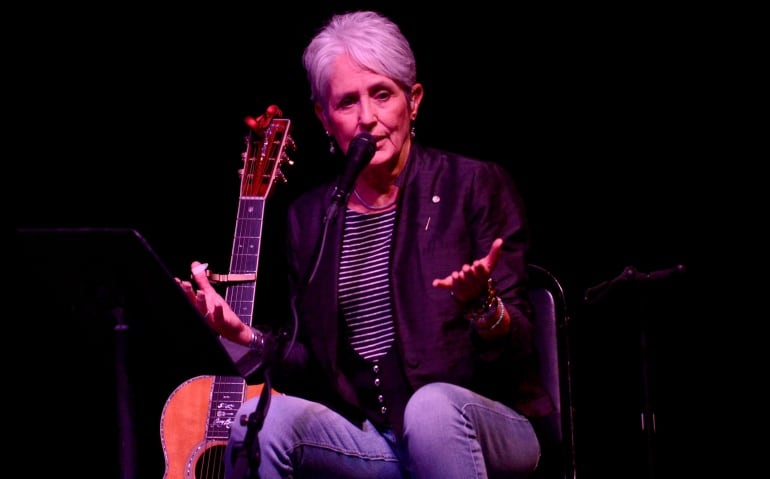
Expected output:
(362, 101)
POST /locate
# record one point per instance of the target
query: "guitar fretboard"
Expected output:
(226, 397)
(245, 256)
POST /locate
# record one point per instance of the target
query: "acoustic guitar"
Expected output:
(196, 419)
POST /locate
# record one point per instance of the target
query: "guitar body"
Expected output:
(188, 452)
(196, 419)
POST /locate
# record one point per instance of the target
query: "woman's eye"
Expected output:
(346, 103)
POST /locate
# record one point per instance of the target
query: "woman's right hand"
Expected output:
(213, 307)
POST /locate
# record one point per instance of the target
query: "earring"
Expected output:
(332, 150)
(411, 130)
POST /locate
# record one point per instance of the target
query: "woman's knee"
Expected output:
(434, 402)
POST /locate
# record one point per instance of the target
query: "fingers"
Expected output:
(206, 297)
(448, 281)
(198, 271)
(494, 254)
(187, 288)
(472, 278)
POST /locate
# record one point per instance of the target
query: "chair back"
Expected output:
(552, 342)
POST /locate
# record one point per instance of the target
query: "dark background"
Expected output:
(605, 119)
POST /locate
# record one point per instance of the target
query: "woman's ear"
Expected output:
(415, 99)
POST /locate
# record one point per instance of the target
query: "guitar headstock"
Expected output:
(267, 152)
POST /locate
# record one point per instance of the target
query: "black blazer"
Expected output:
(450, 210)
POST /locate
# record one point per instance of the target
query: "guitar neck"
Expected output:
(245, 255)
(263, 157)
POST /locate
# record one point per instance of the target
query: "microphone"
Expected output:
(360, 152)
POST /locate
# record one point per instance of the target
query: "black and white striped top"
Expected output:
(364, 288)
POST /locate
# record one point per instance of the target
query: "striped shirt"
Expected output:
(364, 286)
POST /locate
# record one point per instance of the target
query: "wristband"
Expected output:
(257, 342)
(500, 309)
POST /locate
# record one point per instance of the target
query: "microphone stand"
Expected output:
(596, 293)
(246, 463)
(361, 151)
(248, 458)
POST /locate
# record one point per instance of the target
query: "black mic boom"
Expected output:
(631, 274)
(360, 152)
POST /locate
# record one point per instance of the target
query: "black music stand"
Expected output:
(108, 336)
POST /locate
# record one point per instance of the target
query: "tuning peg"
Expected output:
(290, 143)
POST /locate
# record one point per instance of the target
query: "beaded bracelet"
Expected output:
(500, 309)
(484, 303)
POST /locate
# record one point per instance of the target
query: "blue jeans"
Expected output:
(449, 433)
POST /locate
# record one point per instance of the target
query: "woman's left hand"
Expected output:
(470, 282)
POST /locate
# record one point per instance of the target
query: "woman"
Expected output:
(413, 355)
